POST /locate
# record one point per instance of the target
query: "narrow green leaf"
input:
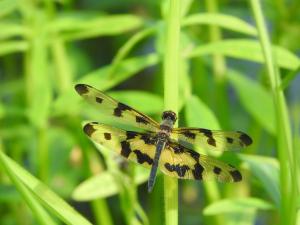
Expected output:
(104, 185)
(31, 200)
(222, 20)
(76, 26)
(10, 29)
(236, 205)
(266, 169)
(45, 195)
(126, 48)
(38, 85)
(247, 49)
(8, 47)
(256, 100)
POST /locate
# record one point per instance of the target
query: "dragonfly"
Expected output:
(160, 145)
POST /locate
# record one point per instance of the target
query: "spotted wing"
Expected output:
(180, 162)
(209, 139)
(135, 146)
(116, 109)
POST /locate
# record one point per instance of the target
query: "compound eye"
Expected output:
(169, 115)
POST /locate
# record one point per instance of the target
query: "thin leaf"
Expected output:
(256, 100)
(8, 47)
(104, 185)
(266, 169)
(38, 211)
(75, 27)
(222, 20)
(247, 49)
(47, 197)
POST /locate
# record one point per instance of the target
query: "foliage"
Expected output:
(227, 74)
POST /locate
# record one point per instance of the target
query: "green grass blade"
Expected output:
(288, 181)
(47, 197)
(222, 20)
(247, 49)
(38, 211)
(171, 75)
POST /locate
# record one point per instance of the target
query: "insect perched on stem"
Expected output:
(162, 146)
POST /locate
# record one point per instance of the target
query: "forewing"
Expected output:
(135, 146)
(180, 162)
(116, 109)
(211, 139)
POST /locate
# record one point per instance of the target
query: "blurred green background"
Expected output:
(46, 47)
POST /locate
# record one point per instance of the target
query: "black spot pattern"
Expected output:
(245, 139)
(89, 129)
(99, 100)
(148, 139)
(197, 171)
(140, 119)
(194, 155)
(208, 133)
(229, 140)
(107, 136)
(178, 149)
(236, 175)
(142, 157)
(180, 170)
(120, 108)
(130, 135)
(217, 170)
(81, 88)
(189, 134)
(125, 149)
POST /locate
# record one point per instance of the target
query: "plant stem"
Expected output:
(171, 73)
(284, 137)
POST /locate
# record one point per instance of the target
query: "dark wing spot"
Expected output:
(194, 155)
(120, 108)
(81, 88)
(189, 134)
(148, 139)
(99, 100)
(245, 139)
(140, 119)
(217, 170)
(107, 136)
(130, 135)
(236, 175)
(211, 141)
(142, 157)
(178, 149)
(229, 140)
(180, 170)
(125, 149)
(197, 171)
(88, 129)
(206, 132)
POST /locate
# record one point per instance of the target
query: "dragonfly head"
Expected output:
(169, 115)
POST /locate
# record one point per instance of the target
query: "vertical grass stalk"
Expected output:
(171, 73)
(284, 138)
